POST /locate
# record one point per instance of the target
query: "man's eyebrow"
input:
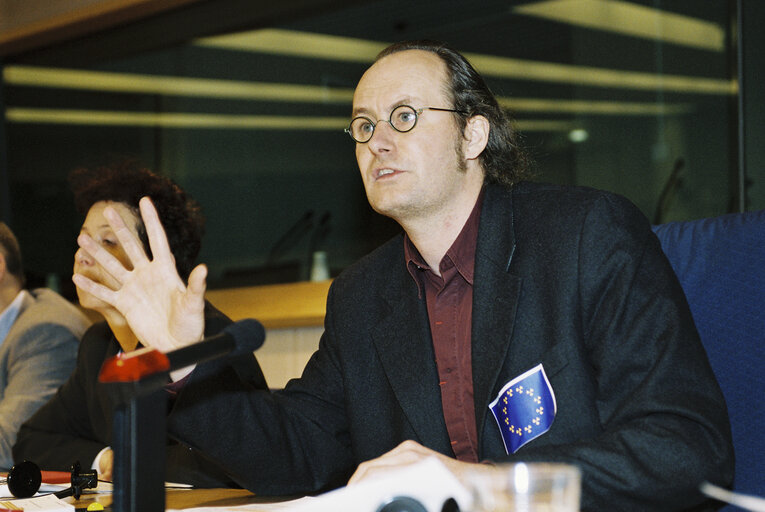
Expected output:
(406, 100)
(359, 111)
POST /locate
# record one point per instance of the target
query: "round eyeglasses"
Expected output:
(402, 119)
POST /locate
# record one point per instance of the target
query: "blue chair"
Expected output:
(721, 266)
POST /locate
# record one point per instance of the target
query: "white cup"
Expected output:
(526, 487)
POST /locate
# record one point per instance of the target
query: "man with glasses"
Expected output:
(431, 341)
(402, 119)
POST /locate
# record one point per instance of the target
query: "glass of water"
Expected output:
(526, 487)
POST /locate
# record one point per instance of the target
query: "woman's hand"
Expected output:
(162, 311)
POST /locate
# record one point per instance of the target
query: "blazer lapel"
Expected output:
(27, 301)
(495, 297)
(404, 345)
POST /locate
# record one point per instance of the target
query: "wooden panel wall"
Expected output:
(30, 24)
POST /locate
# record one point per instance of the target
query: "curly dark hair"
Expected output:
(127, 182)
(504, 160)
(9, 246)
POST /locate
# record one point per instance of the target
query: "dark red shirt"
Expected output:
(449, 299)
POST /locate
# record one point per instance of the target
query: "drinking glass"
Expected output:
(525, 487)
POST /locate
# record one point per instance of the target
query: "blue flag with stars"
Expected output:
(524, 409)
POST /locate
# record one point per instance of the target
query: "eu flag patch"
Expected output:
(524, 408)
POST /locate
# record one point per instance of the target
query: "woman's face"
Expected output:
(98, 229)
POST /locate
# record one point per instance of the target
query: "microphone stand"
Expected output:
(139, 430)
(135, 382)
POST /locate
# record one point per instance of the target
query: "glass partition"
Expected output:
(634, 97)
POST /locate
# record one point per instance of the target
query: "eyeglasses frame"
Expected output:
(416, 111)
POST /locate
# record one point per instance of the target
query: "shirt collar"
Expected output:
(461, 254)
(10, 313)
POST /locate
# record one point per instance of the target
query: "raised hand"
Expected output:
(159, 308)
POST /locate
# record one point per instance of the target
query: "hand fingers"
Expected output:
(160, 248)
(104, 258)
(375, 467)
(96, 290)
(198, 281)
(195, 291)
(361, 472)
(404, 454)
(105, 465)
(129, 242)
(409, 446)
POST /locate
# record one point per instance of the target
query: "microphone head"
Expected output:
(24, 479)
(248, 335)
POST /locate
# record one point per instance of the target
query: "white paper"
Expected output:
(287, 506)
(5, 494)
(428, 481)
(745, 501)
(45, 503)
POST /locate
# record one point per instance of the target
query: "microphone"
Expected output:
(25, 478)
(291, 236)
(238, 338)
(670, 188)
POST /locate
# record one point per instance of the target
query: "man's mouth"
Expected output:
(384, 172)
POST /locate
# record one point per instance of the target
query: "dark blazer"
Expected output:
(76, 423)
(571, 278)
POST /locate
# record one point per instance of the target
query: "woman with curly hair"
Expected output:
(76, 424)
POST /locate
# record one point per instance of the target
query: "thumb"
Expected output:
(195, 292)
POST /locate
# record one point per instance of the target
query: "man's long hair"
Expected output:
(503, 159)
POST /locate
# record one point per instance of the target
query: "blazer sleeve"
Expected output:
(286, 442)
(61, 431)
(41, 358)
(663, 424)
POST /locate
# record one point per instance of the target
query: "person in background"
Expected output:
(76, 424)
(39, 335)
(510, 321)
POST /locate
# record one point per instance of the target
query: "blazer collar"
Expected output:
(13, 311)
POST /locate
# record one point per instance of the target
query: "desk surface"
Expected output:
(183, 498)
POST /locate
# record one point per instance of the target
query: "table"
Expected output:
(184, 498)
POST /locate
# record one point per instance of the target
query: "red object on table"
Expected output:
(56, 477)
(133, 366)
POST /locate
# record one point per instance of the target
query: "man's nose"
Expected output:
(383, 137)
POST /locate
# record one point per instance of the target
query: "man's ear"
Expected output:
(476, 136)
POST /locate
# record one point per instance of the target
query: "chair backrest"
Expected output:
(721, 266)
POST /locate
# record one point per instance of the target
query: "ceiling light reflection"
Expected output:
(631, 19)
(216, 121)
(107, 81)
(304, 44)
